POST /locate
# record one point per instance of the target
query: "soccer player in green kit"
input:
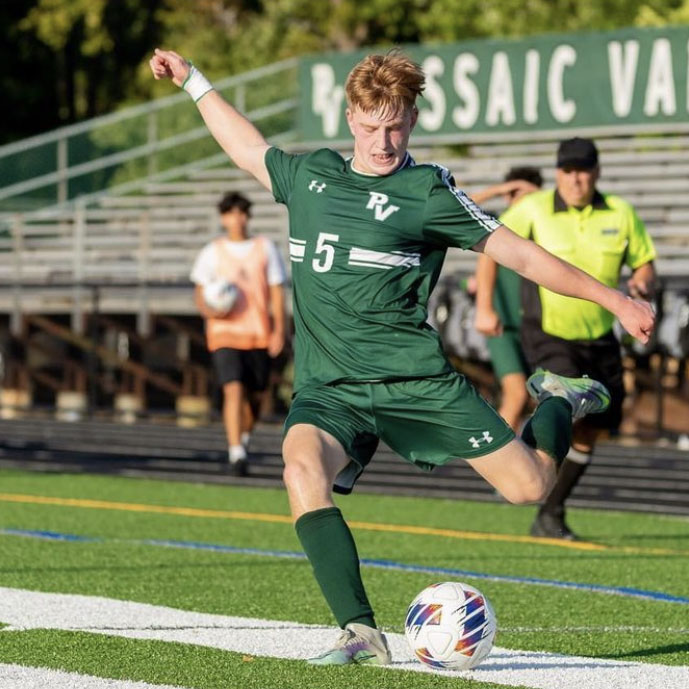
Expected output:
(367, 241)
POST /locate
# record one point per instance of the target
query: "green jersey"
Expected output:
(365, 252)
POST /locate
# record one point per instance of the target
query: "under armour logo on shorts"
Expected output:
(476, 442)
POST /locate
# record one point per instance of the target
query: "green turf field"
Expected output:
(645, 552)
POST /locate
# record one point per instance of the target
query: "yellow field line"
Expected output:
(284, 519)
(135, 507)
(474, 535)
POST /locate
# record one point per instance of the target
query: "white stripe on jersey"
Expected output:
(297, 249)
(382, 259)
(370, 265)
(477, 213)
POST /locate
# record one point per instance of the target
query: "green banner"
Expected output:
(618, 80)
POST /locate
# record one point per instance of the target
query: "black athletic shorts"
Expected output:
(249, 366)
(599, 359)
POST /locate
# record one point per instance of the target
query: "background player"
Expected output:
(498, 304)
(242, 340)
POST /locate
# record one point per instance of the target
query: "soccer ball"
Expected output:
(220, 295)
(450, 626)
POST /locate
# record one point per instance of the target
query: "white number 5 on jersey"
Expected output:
(327, 250)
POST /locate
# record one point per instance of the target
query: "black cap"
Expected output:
(576, 152)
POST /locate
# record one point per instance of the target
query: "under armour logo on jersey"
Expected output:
(315, 186)
(377, 202)
(476, 442)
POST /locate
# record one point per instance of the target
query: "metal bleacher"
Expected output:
(154, 234)
(128, 199)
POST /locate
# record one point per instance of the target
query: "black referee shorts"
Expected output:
(599, 359)
(248, 366)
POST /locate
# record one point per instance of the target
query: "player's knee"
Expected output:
(534, 489)
(293, 474)
(520, 396)
(299, 473)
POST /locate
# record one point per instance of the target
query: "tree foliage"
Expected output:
(90, 56)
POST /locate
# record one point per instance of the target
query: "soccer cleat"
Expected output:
(238, 468)
(585, 395)
(358, 644)
(549, 525)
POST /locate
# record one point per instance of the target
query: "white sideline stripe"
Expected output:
(22, 677)
(35, 610)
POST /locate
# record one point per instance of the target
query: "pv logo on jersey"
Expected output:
(376, 202)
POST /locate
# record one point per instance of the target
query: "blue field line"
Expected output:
(366, 562)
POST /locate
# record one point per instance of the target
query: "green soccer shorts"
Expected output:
(428, 421)
(506, 354)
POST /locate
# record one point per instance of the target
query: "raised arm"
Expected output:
(513, 187)
(237, 136)
(486, 320)
(538, 265)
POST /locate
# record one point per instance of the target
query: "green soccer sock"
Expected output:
(328, 543)
(550, 428)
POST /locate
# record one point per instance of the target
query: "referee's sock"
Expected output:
(550, 428)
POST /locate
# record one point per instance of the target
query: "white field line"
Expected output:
(22, 609)
(20, 677)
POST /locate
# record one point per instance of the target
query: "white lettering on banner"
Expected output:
(326, 98)
(500, 100)
(431, 119)
(532, 68)
(377, 201)
(632, 77)
(660, 89)
(465, 116)
(623, 62)
(562, 109)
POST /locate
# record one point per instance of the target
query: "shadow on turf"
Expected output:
(659, 650)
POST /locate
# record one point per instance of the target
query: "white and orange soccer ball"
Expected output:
(450, 626)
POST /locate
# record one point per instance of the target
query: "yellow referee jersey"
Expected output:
(599, 239)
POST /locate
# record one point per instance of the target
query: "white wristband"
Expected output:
(196, 85)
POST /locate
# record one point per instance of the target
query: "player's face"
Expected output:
(380, 139)
(235, 222)
(576, 185)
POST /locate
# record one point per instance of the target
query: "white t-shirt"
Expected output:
(205, 265)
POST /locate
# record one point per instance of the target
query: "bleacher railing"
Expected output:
(154, 141)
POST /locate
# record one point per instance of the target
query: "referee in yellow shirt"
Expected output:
(599, 233)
